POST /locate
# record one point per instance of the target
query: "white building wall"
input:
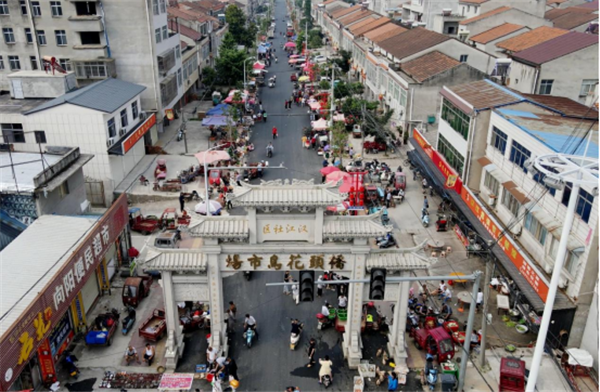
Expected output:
(589, 341)
(453, 137)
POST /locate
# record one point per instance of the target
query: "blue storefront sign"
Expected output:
(59, 334)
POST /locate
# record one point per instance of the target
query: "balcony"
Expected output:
(166, 61)
(92, 51)
(86, 23)
(97, 69)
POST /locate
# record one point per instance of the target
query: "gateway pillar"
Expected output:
(215, 289)
(175, 344)
(352, 344)
(397, 343)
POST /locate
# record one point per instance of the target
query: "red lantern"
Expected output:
(351, 189)
(361, 196)
(361, 203)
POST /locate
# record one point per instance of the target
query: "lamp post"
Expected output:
(249, 58)
(559, 169)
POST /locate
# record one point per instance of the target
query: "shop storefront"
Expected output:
(35, 342)
(527, 283)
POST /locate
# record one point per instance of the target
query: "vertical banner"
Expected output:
(46, 362)
(103, 275)
(77, 311)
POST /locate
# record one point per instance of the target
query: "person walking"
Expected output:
(312, 350)
(425, 202)
(388, 198)
(342, 301)
(181, 201)
(479, 302)
(264, 116)
(232, 309)
(295, 292)
(274, 132)
(320, 283)
(260, 106)
(286, 279)
(238, 178)
(232, 368)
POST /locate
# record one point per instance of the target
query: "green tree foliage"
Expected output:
(228, 42)
(230, 63)
(209, 76)
(339, 137)
(344, 89)
(315, 39)
(238, 28)
(344, 60)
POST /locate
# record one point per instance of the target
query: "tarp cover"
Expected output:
(580, 357)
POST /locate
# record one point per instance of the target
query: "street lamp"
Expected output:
(559, 169)
(249, 58)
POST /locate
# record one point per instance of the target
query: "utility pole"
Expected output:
(467, 344)
(486, 295)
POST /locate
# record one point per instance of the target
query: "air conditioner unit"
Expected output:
(548, 267)
(142, 115)
(122, 131)
(110, 142)
(516, 229)
(563, 281)
(491, 201)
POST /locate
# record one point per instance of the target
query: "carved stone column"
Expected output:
(396, 343)
(319, 226)
(252, 225)
(215, 289)
(175, 344)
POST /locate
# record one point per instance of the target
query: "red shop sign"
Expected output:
(453, 180)
(46, 362)
(28, 333)
(137, 135)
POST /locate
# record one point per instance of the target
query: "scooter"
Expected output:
(247, 275)
(323, 321)
(180, 134)
(326, 381)
(425, 218)
(432, 376)
(295, 338)
(269, 153)
(128, 321)
(249, 336)
(69, 362)
(386, 241)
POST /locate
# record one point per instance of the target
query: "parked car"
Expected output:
(319, 59)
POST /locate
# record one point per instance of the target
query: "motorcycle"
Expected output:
(326, 381)
(69, 363)
(247, 275)
(431, 375)
(323, 321)
(386, 241)
(128, 321)
(425, 218)
(180, 134)
(269, 153)
(249, 336)
(295, 338)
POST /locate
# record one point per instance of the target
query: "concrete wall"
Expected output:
(511, 16)
(431, 8)
(54, 203)
(522, 77)
(533, 7)
(589, 340)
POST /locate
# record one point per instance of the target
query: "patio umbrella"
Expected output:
(295, 56)
(328, 170)
(346, 185)
(339, 117)
(215, 207)
(303, 78)
(320, 124)
(212, 156)
(289, 45)
(218, 110)
(216, 121)
(315, 106)
(335, 176)
(258, 65)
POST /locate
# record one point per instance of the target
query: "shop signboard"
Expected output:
(59, 335)
(453, 180)
(461, 236)
(508, 246)
(23, 338)
(132, 139)
(46, 363)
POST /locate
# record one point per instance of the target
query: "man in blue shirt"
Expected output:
(392, 381)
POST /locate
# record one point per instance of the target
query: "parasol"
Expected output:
(289, 45)
(315, 106)
(328, 170)
(295, 56)
(337, 175)
(318, 125)
(212, 156)
(303, 78)
(216, 121)
(215, 207)
(258, 65)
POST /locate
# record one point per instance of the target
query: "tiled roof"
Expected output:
(565, 105)
(184, 30)
(411, 42)
(573, 19)
(355, 17)
(190, 15)
(362, 23)
(530, 38)
(485, 94)
(273, 194)
(384, 32)
(372, 25)
(557, 47)
(393, 260)
(221, 227)
(555, 1)
(472, 1)
(558, 12)
(431, 64)
(495, 11)
(164, 260)
(366, 226)
(345, 11)
(212, 5)
(592, 5)
(496, 32)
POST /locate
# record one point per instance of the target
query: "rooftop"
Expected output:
(26, 166)
(485, 15)
(18, 106)
(396, 261)
(355, 17)
(221, 227)
(185, 31)
(429, 65)
(572, 20)
(105, 96)
(483, 94)
(558, 12)
(472, 1)
(345, 11)
(411, 42)
(365, 226)
(553, 131)
(384, 32)
(556, 48)
(530, 38)
(592, 5)
(495, 33)
(59, 236)
(566, 106)
(371, 25)
(358, 25)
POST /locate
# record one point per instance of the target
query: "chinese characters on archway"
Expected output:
(284, 229)
(291, 262)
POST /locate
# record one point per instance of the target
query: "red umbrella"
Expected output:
(212, 156)
(335, 176)
(347, 185)
(328, 170)
(258, 65)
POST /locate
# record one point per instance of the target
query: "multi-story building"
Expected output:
(96, 40)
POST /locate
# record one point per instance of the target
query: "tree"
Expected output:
(344, 89)
(229, 42)
(339, 139)
(344, 60)
(307, 18)
(243, 32)
(209, 76)
(315, 39)
(230, 64)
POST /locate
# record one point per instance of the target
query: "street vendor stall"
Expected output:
(176, 382)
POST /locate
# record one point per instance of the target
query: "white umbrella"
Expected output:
(215, 207)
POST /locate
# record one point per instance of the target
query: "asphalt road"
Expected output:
(301, 163)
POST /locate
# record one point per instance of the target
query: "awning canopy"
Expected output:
(513, 189)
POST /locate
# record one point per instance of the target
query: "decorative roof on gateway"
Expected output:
(278, 193)
(396, 261)
(531, 38)
(165, 260)
(485, 15)
(221, 227)
(556, 48)
(363, 226)
(495, 33)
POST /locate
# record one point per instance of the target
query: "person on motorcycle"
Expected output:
(325, 369)
(325, 309)
(250, 322)
(295, 327)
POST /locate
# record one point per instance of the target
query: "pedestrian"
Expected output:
(388, 199)
(447, 295)
(238, 178)
(232, 368)
(286, 279)
(274, 132)
(320, 283)
(295, 292)
(259, 169)
(260, 106)
(392, 382)
(313, 141)
(325, 162)
(312, 350)
(285, 106)
(149, 354)
(228, 197)
(425, 202)
(479, 302)
(211, 355)
(181, 201)
(304, 139)
(264, 116)
(232, 309)
(342, 301)
(351, 153)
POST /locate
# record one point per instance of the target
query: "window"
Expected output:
(511, 203)
(41, 36)
(155, 7)
(519, 154)
(36, 9)
(1, 63)
(539, 178)
(112, 129)
(4, 7)
(9, 35)
(66, 64)
(85, 8)
(179, 77)
(91, 70)
(458, 120)
(587, 87)
(124, 121)
(163, 6)
(61, 37)
(165, 32)
(157, 36)
(535, 228)
(546, 86)
(13, 133)
(56, 8)
(499, 139)
(14, 63)
(134, 110)
(463, 58)
(571, 262)
(584, 202)
(90, 38)
(34, 63)
(402, 97)
(491, 183)
(453, 157)
(28, 35)
(40, 136)
(178, 51)
(63, 190)
(23, 7)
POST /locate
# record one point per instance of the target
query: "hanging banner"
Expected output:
(453, 180)
(46, 363)
(169, 113)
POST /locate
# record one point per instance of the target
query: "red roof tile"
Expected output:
(345, 11)
(558, 12)
(357, 16)
(557, 47)
(495, 11)
(593, 5)
(384, 32)
(429, 65)
(564, 105)
(183, 30)
(573, 19)
(372, 25)
(495, 33)
(411, 42)
(530, 38)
